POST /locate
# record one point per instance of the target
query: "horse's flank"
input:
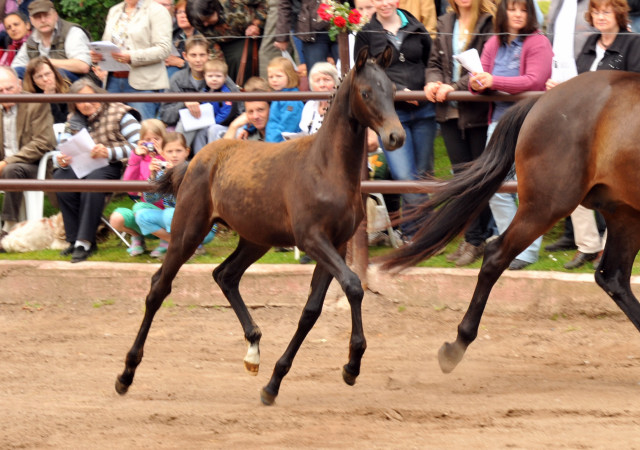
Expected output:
(322, 169)
(589, 140)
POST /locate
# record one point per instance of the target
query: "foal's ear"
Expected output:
(384, 58)
(362, 57)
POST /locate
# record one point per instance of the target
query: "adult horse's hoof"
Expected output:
(266, 397)
(348, 378)
(121, 388)
(449, 356)
(251, 368)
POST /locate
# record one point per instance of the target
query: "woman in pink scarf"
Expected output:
(18, 28)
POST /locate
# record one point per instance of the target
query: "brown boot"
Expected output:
(580, 259)
(470, 254)
(451, 257)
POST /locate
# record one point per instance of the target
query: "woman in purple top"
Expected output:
(517, 59)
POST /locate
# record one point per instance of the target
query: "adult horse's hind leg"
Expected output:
(319, 284)
(228, 275)
(185, 237)
(614, 272)
(527, 225)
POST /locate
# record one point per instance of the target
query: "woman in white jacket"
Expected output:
(142, 30)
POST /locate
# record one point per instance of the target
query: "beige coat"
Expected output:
(424, 11)
(34, 127)
(150, 33)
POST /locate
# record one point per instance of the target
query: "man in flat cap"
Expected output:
(65, 43)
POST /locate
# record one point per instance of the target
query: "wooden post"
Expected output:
(343, 53)
(359, 245)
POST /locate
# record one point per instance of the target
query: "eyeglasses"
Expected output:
(595, 13)
(42, 76)
(181, 12)
(8, 90)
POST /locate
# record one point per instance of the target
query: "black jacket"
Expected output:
(408, 65)
(622, 54)
(440, 68)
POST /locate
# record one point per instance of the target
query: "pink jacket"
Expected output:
(138, 169)
(535, 65)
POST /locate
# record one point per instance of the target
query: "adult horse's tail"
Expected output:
(171, 180)
(449, 211)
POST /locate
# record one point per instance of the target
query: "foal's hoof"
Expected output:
(251, 368)
(348, 378)
(449, 356)
(121, 388)
(266, 397)
(252, 358)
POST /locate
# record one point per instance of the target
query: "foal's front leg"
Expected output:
(319, 285)
(330, 264)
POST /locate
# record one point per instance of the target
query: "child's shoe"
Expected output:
(137, 246)
(160, 250)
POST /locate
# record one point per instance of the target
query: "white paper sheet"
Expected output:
(206, 119)
(563, 70)
(79, 148)
(108, 63)
(470, 60)
(287, 55)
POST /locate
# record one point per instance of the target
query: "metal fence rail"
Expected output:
(360, 247)
(382, 187)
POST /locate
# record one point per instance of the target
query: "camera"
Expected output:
(149, 146)
(163, 165)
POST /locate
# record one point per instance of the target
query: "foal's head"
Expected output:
(371, 100)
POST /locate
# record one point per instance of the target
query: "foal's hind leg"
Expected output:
(525, 228)
(185, 237)
(228, 275)
(614, 272)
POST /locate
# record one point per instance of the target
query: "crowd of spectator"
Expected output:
(212, 46)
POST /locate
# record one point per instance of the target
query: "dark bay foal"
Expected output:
(304, 192)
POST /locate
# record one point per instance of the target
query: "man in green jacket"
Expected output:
(26, 135)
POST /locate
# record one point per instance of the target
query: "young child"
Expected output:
(189, 79)
(152, 132)
(216, 79)
(156, 221)
(284, 115)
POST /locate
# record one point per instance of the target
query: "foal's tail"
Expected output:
(448, 212)
(171, 180)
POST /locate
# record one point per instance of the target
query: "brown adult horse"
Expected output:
(578, 144)
(303, 192)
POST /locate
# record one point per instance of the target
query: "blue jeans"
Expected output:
(503, 206)
(147, 110)
(415, 158)
(319, 50)
(153, 219)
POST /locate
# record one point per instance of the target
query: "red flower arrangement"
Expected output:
(341, 17)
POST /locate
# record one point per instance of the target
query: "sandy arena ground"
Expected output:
(545, 371)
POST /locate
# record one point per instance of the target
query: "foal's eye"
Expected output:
(364, 94)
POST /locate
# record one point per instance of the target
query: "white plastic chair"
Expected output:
(34, 200)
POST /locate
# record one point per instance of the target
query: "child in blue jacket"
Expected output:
(217, 80)
(284, 116)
